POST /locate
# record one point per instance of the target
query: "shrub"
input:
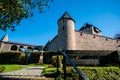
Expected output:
(10, 57)
(54, 61)
(47, 56)
(2, 68)
(93, 73)
(35, 56)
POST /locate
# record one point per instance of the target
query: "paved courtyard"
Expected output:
(30, 72)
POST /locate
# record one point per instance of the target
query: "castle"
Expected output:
(88, 37)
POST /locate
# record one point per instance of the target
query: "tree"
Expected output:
(13, 11)
(117, 36)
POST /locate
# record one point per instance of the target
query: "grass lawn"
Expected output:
(13, 67)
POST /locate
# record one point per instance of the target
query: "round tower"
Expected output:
(66, 32)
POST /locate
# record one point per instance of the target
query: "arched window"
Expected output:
(20, 47)
(36, 49)
(14, 48)
(30, 48)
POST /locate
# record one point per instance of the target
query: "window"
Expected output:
(106, 39)
(81, 34)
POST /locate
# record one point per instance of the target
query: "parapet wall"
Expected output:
(84, 41)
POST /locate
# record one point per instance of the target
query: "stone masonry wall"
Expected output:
(55, 44)
(85, 41)
(70, 35)
(5, 47)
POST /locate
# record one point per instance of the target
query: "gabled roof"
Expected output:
(66, 15)
(5, 38)
(87, 26)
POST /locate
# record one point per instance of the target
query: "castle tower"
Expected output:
(66, 32)
(5, 38)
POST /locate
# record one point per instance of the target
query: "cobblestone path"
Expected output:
(31, 72)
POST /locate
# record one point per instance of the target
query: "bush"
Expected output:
(47, 56)
(54, 61)
(2, 68)
(94, 73)
(10, 57)
(35, 56)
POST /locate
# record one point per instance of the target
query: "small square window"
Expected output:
(81, 34)
(106, 39)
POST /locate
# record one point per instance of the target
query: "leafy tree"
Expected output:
(13, 11)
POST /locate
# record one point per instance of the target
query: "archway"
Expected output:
(30, 48)
(14, 48)
(36, 49)
(20, 47)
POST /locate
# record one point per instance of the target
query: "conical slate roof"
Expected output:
(66, 15)
(5, 38)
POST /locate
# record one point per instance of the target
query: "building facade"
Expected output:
(6, 45)
(88, 37)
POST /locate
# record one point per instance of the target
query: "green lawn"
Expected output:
(13, 67)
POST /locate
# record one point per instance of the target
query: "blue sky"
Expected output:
(104, 14)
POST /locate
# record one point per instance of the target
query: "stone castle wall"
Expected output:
(5, 47)
(10, 46)
(94, 42)
(55, 44)
(82, 41)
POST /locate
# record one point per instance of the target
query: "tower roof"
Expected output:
(66, 15)
(5, 38)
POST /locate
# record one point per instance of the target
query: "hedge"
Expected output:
(93, 73)
(35, 56)
(10, 57)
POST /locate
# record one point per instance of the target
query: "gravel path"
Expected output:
(30, 72)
